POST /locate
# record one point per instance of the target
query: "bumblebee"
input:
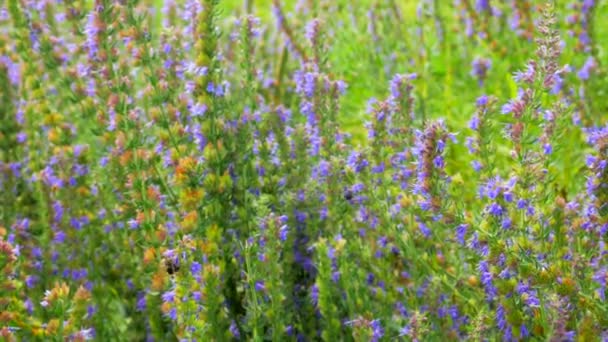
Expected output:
(171, 265)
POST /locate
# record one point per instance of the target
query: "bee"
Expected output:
(348, 195)
(171, 265)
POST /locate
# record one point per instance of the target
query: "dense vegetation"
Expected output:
(311, 170)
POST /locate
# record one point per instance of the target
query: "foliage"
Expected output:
(329, 170)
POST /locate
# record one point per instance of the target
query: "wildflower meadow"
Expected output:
(303, 170)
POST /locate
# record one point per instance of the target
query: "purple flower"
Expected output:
(314, 295)
(58, 211)
(404, 331)
(486, 280)
(482, 101)
(494, 209)
(133, 224)
(482, 5)
(521, 204)
(424, 229)
(193, 69)
(283, 233)
(370, 278)
(91, 32)
(234, 330)
(195, 268)
(59, 236)
(397, 83)
(198, 110)
(526, 76)
(584, 72)
(335, 276)
(309, 84)
(480, 67)
(259, 286)
(438, 162)
(501, 319)
(506, 222)
(168, 296)
(523, 332)
(474, 123)
(14, 71)
(278, 13)
(601, 277)
(289, 330)
(476, 165)
(31, 281)
(377, 330)
(312, 30)
(141, 302)
(173, 314)
(21, 137)
(461, 232)
(528, 295)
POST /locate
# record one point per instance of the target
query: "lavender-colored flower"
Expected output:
(482, 5)
(501, 319)
(198, 110)
(377, 330)
(309, 84)
(314, 295)
(259, 286)
(526, 76)
(31, 281)
(506, 222)
(141, 302)
(476, 165)
(91, 31)
(601, 278)
(133, 224)
(168, 296)
(523, 332)
(495, 209)
(312, 31)
(528, 295)
(173, 314)
(474, 123)
(461, 231)
(283, 233)
(195, 268)
(584, 72)
(424, 229)
(397, 83)
(486, 280)
(480, 68)
(404, 331)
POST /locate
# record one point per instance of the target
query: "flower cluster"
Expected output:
(162, 180)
